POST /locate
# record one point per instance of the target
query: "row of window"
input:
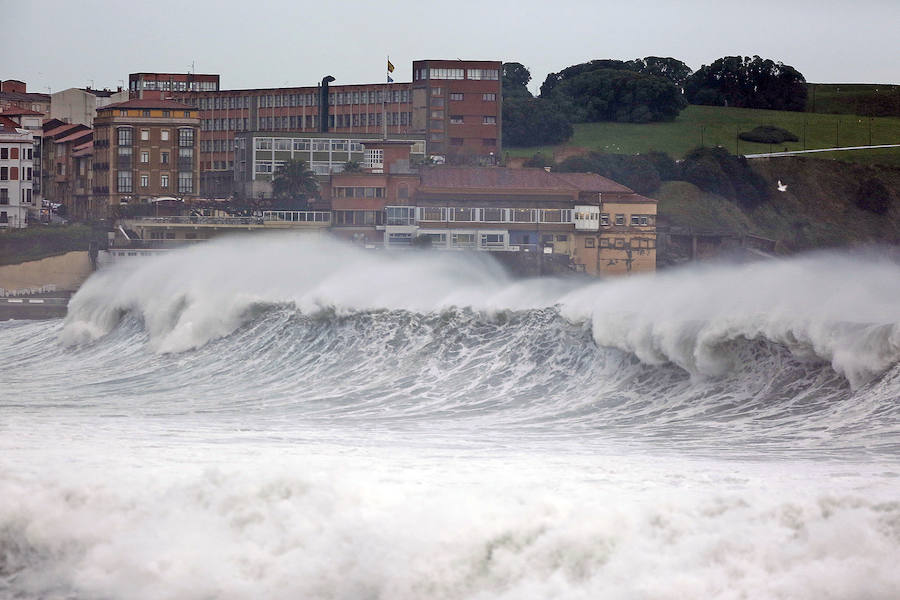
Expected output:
(486, 142)
(125, 136)
(124, 182)
(175, 86)
(358, 192)
(321, 144)
(444, 73)
(124, 112)
(4, 196)
(409, 215)
(12, 173)
(620, 220)
(12, 153)
(620, 243)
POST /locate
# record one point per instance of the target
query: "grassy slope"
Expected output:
(36, 242)
(718, 126)
(854, 98)
(817, 210)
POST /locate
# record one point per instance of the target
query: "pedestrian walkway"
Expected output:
(795, 152)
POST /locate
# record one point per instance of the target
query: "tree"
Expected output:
(515, 80)
(619, 95)
(352, 166)
(534, 122)
(716, 170)
(294, 181)
(668, 68)
(749, 83)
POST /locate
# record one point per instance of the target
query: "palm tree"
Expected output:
(295, 181)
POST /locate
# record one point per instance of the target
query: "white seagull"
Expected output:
(781, 187)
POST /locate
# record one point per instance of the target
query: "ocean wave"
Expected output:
(838, 309)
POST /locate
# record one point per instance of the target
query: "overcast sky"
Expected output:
(59, 44)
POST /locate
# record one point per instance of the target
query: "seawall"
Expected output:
(67, 272)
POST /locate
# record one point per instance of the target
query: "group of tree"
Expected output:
(636, 91)
(747, 82)
(710, 169)
(642, 90)
(530, 121)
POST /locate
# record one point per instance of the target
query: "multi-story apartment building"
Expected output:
(457, 103)
(60, 143)
(79, 105)
(32, 121)
(15, 94)
(456, 106)
(143, 150)
(16, 174)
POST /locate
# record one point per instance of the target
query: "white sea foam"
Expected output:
(835, 308)
(410, 528)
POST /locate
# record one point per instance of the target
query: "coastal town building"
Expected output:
(259, 155)
(16, 174)
(588, 222)
(454, 105)
(145, 149)
(15, 94)
(31, 120)
(79, 105)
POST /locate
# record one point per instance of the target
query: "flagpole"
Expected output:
(384, 98)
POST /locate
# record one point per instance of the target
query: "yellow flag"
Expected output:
(390, 67)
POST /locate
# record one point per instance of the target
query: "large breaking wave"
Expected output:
(840, 309)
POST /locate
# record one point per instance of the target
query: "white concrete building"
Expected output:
(79, 106)
(16, 175)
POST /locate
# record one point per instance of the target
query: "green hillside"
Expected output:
(877, 100)
(817, 210)
(719, 126)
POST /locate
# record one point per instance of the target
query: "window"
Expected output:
(456, 119)
(185, 183)
(436, 91)
(4, 153)
(4, 173)
(604, 219)
(187, 114)
(463, 214)
(400, 215)
(374, 158)
(145, 135)
(491, 74)
(446, 74)
(282, 144)
(588, 242)
(164, 158)
(145, 113)
(620, 219)
(123, 113)
(489, 97)
(456, 96)
(164, 181)
(124, 136)
(264, 143)
(123, 181)
(489, 142)
(167, 113)
(635, 220)
(489, 120)
(4, 196)
(432, 213)
(145, 181)
(463, 240)
(186, 136)
(301, 145)
(145, 157)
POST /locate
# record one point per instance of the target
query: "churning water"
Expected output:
(289, 418)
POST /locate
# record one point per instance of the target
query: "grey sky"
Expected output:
(267, 43)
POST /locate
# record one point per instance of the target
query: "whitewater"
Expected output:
(293, 417)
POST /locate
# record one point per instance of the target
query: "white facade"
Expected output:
(79, 106)
(16, 177)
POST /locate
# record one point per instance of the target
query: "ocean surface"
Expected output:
(282, 417)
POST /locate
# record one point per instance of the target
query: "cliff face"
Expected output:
(818, 208)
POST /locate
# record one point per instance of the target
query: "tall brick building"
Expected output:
(454, 105)
(145, 149)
